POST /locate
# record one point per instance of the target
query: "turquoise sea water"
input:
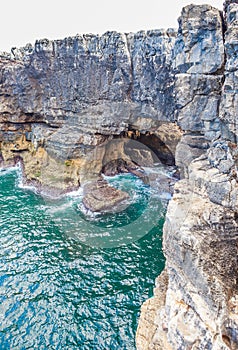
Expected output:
(62, 287)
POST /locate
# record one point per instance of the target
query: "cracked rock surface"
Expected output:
(198, 305)
(67, 110)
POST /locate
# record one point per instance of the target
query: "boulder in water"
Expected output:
(99, 196)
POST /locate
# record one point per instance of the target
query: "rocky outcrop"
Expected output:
(75, 108)
(197, 304)
(69, 96)
(116, 75)
(90, 74)
(199, 62)
(100, 197)
(199, 45)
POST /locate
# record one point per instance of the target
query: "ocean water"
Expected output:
(70, 279)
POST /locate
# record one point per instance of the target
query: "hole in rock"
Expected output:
(154, 143)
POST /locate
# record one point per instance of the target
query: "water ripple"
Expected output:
(57, 293)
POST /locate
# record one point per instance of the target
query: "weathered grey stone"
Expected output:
(197, 99)
(113, 77)
(231, 39)
(152, 82)
(199, 309)
(229, 100)
(203, 295)
(189, 148)
(219, 156)
(199, 45)
(187, 86)
(63, 101)
(149, 332)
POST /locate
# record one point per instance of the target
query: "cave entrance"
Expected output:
(159, 149)
(137, 152)
(133, 151)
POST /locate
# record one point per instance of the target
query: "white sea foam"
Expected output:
(4, 171)
(165, 195)
(27, 187)
(90, 214)
(77, 193)
(159, 170)
(115, 177)
(54, 209)
(23, 186)
(17, 168)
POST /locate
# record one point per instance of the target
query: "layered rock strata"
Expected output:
(61, 99)
(71, 109)
(195, 306)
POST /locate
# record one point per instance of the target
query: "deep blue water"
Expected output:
(64, 284)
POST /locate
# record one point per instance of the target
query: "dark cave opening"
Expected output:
(133, 151)
(151, 140)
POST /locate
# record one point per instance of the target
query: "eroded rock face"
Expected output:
(70, 96)
(198, 308)
(110, 79)
(66, 107)
(229, 101)
(203, 270)
(199, 45)
(199, 61)
(197, 101)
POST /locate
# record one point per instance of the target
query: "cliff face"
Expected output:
(98, 84)
(176, 92)
(60, 99)
(195, 303)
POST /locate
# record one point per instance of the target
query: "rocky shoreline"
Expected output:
(70, 108)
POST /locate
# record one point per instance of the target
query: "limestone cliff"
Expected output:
(174, 92)
(196, 305)
(60, 99)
